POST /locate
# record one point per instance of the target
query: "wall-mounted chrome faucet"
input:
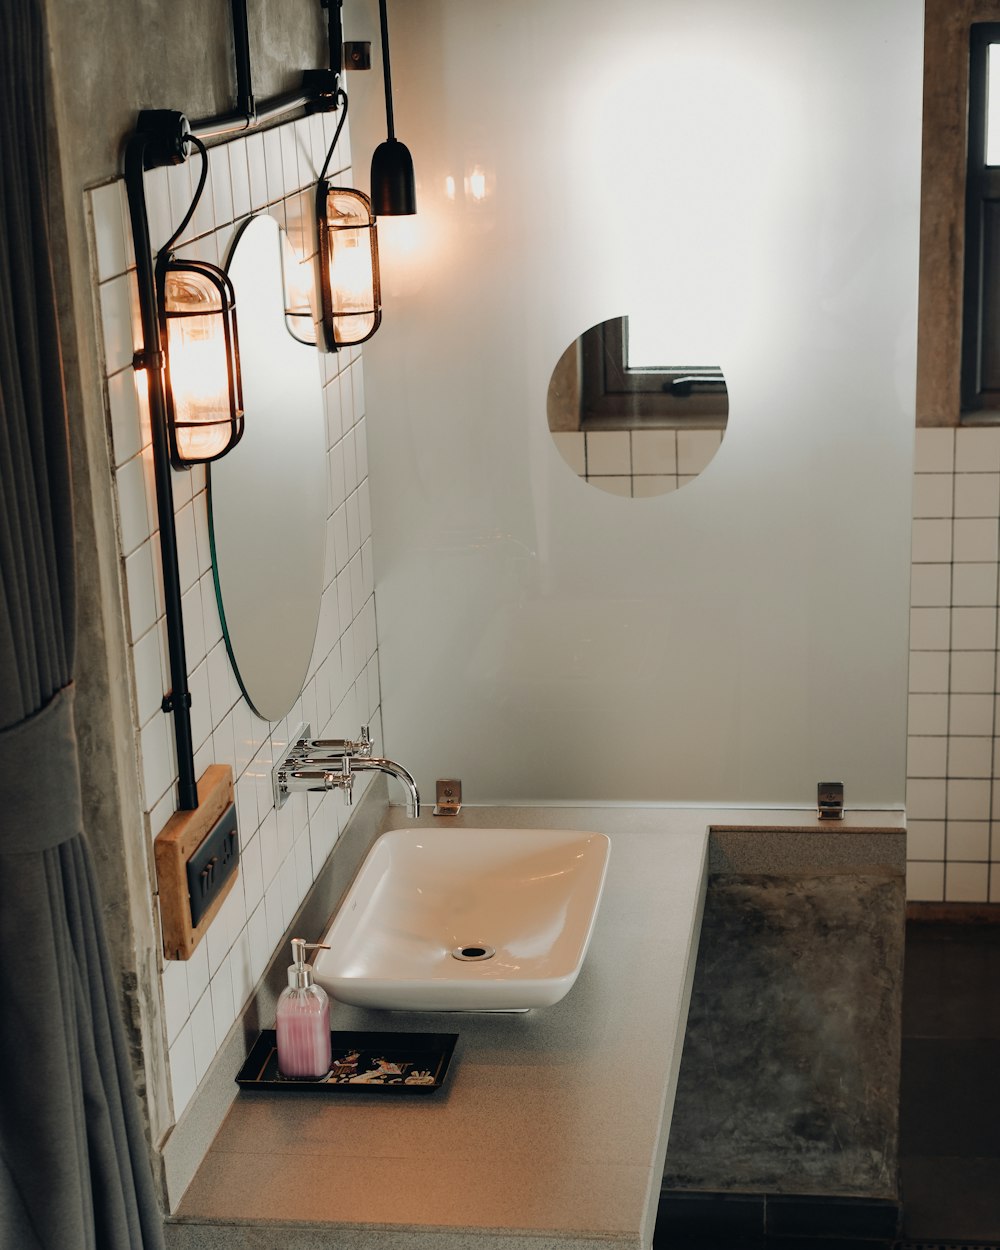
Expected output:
(317, 764)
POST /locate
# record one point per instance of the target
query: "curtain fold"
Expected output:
(74, 1167)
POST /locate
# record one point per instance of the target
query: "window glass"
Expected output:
(993, 104)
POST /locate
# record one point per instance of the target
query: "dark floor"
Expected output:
(950, 1096)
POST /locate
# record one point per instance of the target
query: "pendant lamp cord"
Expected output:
(386, 76)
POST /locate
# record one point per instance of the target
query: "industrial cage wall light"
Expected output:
(201, 357)
(350, 291)
(199, 341)
(189, 355)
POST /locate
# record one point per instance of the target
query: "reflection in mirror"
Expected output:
(627, 423)
(300, 293)
(268, 497)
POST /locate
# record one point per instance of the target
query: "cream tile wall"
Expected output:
(952, 797)
(638, 463)
(281, 851)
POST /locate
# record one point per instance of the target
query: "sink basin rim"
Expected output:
(535, 892)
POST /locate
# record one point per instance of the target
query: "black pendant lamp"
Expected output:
(392, 183)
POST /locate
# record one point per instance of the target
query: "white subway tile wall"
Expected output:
(638, 463)
(281, 852)
(952, 799)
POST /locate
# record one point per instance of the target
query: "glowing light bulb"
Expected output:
(205, 413)
(352, 265)
(475, 185)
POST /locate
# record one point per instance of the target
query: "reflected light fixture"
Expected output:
(350, 291)
(299, 289)
(197, 309)
(392, 182)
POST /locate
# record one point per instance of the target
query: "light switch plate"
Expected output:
(182, 836)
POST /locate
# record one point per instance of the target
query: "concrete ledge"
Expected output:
(789, 1081)
(813, 849)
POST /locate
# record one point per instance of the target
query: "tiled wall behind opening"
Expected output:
(953, 757)
(282, 852)
(638, 463)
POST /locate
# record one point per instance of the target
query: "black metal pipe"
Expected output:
(317, 85)
(221, 124)
(335, 33)
(151, 358)
(315, 95)
(241, 53)
(268, 109)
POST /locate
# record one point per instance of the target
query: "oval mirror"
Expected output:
(627, 423)
(268, 498)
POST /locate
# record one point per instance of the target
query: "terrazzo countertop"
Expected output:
(551, 1129)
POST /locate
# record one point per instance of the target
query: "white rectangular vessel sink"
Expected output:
(466, 920)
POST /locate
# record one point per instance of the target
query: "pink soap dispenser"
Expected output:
(303, 1019)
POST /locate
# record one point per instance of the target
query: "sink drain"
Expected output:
(472, 953)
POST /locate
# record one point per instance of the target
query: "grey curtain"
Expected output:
(74, 1170)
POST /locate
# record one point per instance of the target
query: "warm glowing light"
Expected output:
(141, 378)
(200, 387)
(351, 275)
(402, 237)
(409, 250)
(300, 294)
(449, 187)
(206, 416)
(351, 293)
(475, 185)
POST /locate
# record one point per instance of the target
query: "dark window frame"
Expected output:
(614, 396)
(981, 297)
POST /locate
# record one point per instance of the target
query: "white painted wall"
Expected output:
(752, 172)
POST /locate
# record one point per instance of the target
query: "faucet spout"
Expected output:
(374, 764)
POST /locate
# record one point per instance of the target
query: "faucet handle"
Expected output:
(319, 750)
(344, 780)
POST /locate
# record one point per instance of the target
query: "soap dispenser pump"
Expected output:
(303, 1019)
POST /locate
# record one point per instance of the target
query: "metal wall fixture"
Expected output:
(187, 312)
(166, 293)
(350, 290)
(830, 800)
(198, 333)
(393, 184)
(320, 764)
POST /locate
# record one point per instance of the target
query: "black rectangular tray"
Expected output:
(384, 1063)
